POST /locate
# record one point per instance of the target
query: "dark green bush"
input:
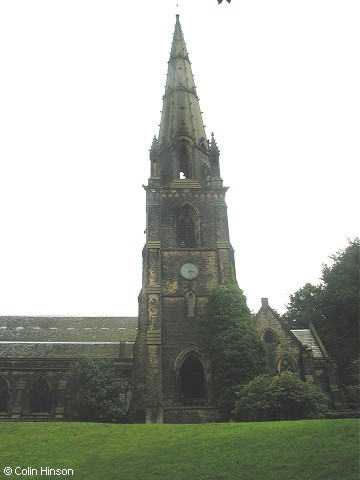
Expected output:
(96, 391)
(284, 397)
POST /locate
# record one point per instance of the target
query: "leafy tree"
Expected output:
(226, 334)
(284, 397)
(96, 391)
(338, 324)
(304, 306)
(333, 307)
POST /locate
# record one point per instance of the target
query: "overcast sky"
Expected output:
(81, 85)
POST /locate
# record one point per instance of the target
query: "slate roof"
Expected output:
(49, 350)
(307, 339)
(67, 337)
(68, 329)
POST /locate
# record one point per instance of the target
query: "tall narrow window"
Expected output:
(191, 234)
(190, 299)
(40, 396)
(182, 233)
(184, 162)
(186, 228)
(4, 395)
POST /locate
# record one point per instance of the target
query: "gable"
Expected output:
(267, 320)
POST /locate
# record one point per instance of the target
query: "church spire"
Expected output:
(181, 114)
(182, 150)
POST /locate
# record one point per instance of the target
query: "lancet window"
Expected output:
(190, 300)
(186, 227)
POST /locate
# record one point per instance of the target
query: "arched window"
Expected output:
(4, 395)
(40, 399)
(186, 227)
(269, 337)
(286, 365)
(192, 379)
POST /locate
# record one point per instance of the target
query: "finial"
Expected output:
(213, 146)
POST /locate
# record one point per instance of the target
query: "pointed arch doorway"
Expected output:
(192, 379)
(192, 376)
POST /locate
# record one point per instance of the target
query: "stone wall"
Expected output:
(192, 415)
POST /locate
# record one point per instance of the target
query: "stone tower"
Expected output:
(187, 254)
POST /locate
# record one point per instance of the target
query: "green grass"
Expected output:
(306, 450)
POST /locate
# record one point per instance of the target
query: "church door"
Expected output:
(192, 381)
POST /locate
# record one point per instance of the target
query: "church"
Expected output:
(186, 255)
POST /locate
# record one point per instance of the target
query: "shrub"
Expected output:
(96, 391)
(284, 397)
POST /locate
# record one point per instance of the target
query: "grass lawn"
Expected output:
(308, 450)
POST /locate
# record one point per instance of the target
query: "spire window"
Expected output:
(184, 162)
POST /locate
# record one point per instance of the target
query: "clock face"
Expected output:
(189, 271)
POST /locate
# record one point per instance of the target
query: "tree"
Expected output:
(333, 307)
(227, 335)
(284, 397)
(96, 391)
(338, 324)
(353, 390)
(303, 306)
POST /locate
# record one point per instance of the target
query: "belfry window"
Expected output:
(186, 233)
(186, 226)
